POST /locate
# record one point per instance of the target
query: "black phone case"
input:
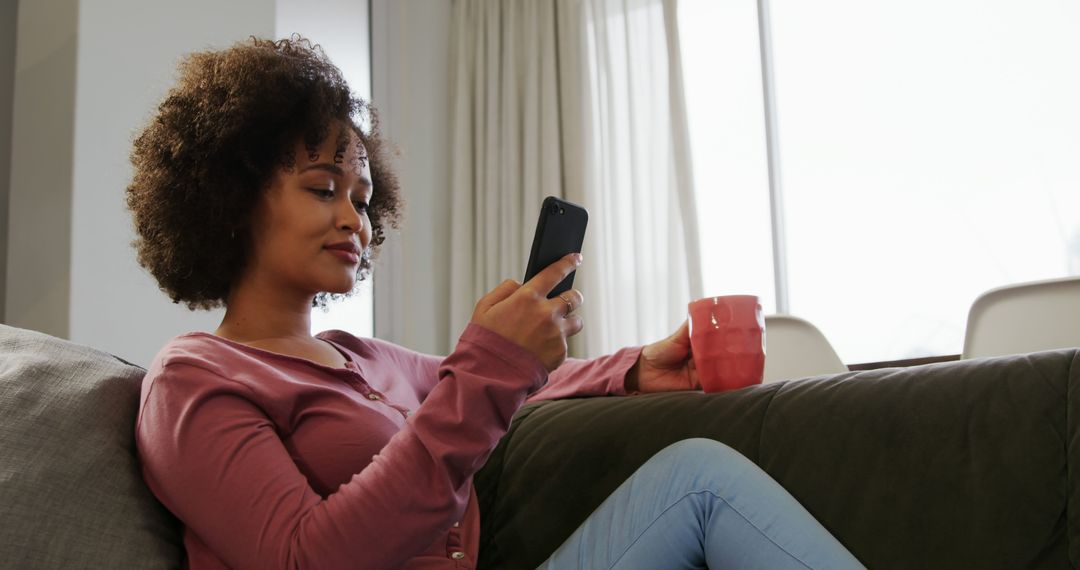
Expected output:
(559, 231)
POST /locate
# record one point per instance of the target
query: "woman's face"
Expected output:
(311, 216)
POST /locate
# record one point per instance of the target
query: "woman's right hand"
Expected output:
(524, 315)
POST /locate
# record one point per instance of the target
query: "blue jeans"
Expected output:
(700, 504)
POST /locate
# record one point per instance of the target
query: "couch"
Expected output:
(956, 465)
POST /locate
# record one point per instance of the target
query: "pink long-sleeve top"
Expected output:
(273, 461)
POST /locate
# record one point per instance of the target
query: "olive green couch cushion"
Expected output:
(969, 464)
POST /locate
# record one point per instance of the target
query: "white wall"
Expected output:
(340, 27)
(123, 71)
(85, 84)
(410, 85)
(39, 206)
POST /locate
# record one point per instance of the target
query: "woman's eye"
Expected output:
(360, 206)
(322, 192)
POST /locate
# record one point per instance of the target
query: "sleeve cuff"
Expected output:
(623, 361)
(505, 350)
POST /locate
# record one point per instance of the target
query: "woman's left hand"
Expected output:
(665, 366)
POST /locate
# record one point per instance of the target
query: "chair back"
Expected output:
(795, 348)
(1025, 317)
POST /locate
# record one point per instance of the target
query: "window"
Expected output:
(355, 314)
(725, 108)
(342, 29)
(927, 153)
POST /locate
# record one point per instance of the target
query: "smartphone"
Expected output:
(560, 231)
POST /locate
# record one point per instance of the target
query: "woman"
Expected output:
(255, 189)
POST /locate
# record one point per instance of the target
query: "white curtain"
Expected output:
(580, 99)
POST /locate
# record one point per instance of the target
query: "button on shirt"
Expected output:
(274, 461)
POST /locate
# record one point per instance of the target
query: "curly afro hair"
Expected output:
(213, 147)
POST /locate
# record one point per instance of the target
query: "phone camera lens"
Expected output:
(554, 209)
(562, 211)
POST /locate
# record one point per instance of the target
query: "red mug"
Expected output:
(727, 337)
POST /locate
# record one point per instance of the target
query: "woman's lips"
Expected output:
(345, 255)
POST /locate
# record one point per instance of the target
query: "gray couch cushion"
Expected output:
(71, 494)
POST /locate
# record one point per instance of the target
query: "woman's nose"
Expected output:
(349, 219)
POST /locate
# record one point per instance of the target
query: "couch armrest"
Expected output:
(961, 464)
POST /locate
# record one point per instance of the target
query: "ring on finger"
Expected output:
(569, 305)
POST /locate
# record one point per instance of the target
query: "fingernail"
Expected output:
(577, 259)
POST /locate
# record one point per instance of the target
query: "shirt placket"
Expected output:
(455, 549)
(360, 385)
